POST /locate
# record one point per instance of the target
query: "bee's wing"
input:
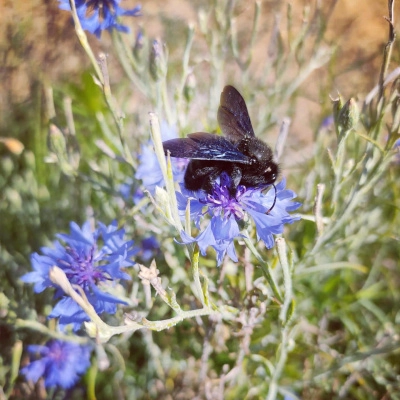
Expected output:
(233, 117)
(205, 146)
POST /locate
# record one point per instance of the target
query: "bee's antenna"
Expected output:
(273, 204)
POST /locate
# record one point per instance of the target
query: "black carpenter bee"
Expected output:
(246, 159)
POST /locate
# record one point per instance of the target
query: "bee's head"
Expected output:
(271, 172)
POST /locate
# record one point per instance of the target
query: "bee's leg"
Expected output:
(234, 172)
(236, 177)
(210, 179)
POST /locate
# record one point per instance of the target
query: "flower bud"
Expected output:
(190, 87)
(6, 167)
(139, 44)
(158, 61)
(67, 153)
(337, 105)
(348, 117)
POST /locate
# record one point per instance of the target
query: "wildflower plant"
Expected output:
(284, 291)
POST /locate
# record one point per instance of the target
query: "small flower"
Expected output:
(139, 44)
(228, 213)
(149, 170)
(86, 265)
(99, 15)
(60, 363)
(327, 123)
(158, 61)
(149, 248)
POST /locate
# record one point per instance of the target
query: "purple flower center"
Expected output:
(81, 269)
(221, 200)
(57, 354)
(100, 5)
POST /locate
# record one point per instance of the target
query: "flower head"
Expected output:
(87, 264)
(229, 212)
(96, 16)
(149, 170)
(149, 248)
(60, 363)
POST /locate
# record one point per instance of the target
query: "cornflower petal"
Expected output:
(149, 170)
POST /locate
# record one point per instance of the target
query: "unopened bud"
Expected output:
(158, 61)
(190, 87)
(162, 200)
(349, 116)
(337, 105)
(139, 44)
(67, 151)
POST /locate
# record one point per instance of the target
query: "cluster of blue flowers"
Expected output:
(94, 259)
(91, 266)
(86, 263)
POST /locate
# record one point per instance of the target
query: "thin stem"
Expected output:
(318, 208)
(388, 49)
(126, 60)
(285, 314)
(84, 42)
(167, 107)
(266, 269)
(39, 327)
(112, 105)
(283, 353)
(195, 272)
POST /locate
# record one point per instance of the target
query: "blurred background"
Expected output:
(38, 45)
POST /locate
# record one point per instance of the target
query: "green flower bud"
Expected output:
(158, 61)
(337, 105)
(6, 166)
(139, 44)
(348, 117)
(67, 152)
(190, 87)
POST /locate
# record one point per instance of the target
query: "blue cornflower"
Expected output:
(60, 363)
(149, 170)
(87, 264)
(150, 247)
(99, 15)
(228, 214)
